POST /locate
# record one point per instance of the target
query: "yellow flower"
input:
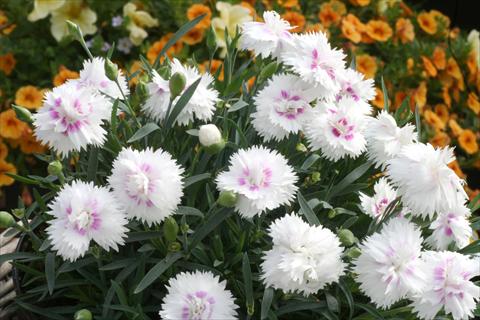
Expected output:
(295, 19)
(42, 8)
(231, 16)
(405, 31)
(10, 126)
(63, 75)
(29, 97)
(468, 141)
(367, 65)
(76, 11)
(427, 22)
(138, 20)
(420, 95)
(473, 103)
(439, 59)
(6, 167)
(3, 150)
(455, 127)
(361, 3)
(379, 30)
(453, 69)
(7, 63)
(352, 28)
(198, 9)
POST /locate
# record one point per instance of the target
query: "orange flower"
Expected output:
(367, 65)
(28, 143)
(439, 59)
(251, 82)
(433, 120)
(6, 167)
(442, 112)
(473, 102)
(429, 67)
(193, 36)
(29, 97)
(216, 64)
(7, 63)
(63, 75)
(410, 64)
(378, 30)
(420, 95)
(134, 67)
(350, 32)
(317, 27)
(446, 97)
(405, 30)
(289, 4)
(3, 150)
(295, 19)
(468, 141)
(472, 63)
(443, 19)
(378, 102)
(157, 46)
(453, 69)
(361, 3)
(455, 127)
(427, 22)
(456, 168)
(250, 8)
(328, 16)
(5, 29)
(441, 139)
(10, 126)
(198, 9)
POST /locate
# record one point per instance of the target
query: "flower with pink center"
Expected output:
(451, 226)
(353, 85)
(261, 178)
(265, 38)
(81, 213)
(147, 183)
(197, 296)
(71, 118)
(449, 286)
(337, 129)
(282, 107)
(376, 205)
(389, 268)
(156, 105)
(312, 58)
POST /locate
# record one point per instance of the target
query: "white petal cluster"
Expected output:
(423, 179)
(353, 85)
(197, 295)
(262, 179)
(265, 38)
(389, 267)
(156, 105)
(451, 226)
(337, 129)
(376, 205)
(385, 139)
(209, 135)
(449, 286)
(303, 258)
(147, 183)
(71, 118)
(81, 213)
(283, 107)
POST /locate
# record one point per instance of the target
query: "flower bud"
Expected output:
(19, 212)
(227, 199)
(141, 90)
(6, 220)
(315, 177)
(346, 237)
(353, 252)
(211, 138)
(184, 228)
(332, 213)
(301, 147)
(111, 70)
(74, 30)
(22, 114)
(83, 314)
(177, 84)
(170, 229)
(55, 168)
(174, 246)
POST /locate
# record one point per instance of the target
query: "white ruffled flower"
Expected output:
(423, 179)
(303, 258)
(385, 139)
(283, 107)
(337, 129)
(265, 38)
(197, 295)
(156, 105)
(353, 85)
(147, 183)
(448, 286)
(93, 75)
(451, 226)
(262, 179)
(83, 212)
(311, 56)
(384, 195)
(390, 268)
(71, 118)
(209, 135)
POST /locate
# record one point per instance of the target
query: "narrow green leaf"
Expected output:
(157, 271)
(143, 131)
(418, 123)
(193, 132)
(385, 95)
(50, 271)
(142, 235)
(117, 264)
(212, 222)
(307, 211)
(353, 63)
(472, 248)
(122, 297)
(247, 279)
(349, 179)
(370, 310)
(240, 104)
(332, 302)
(22, 179)
(310, 161)
(92, 164)
(266, 302)
(181, 103)
(349, 222)
(300, 306)
(113, 117)
(45, 314)
(17, 256)
(194, 179)
(474, 205)
(348, 295)
(189, 211)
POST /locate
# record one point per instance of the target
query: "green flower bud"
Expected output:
(353, 252)
(19, 213)
(301, 147)
(55, 168)
(177, 84)
(332, 213)
(170, 229)
(22, 113)
(315, 177)
(211, 40)
(211, 138)
(174, 246)
(74, 30)
(346, 237)
(268, 71)
(83, 314)
(6, 220)
(141, 90)
(227, 199)
(111, 70)
(184, 228)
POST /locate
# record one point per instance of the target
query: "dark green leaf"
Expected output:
(307, 211)
(240, 104)
(472, 248)
(181, 103)
(143, 131)
(212, 222)
(247, 278)
(385, 95)
(266, 302)
(194, 179)
(17, 256)
(189, 211)
(349, 179)
(299, 306)
(50, 271)
(348, 295)
(92, 164)
(157, 271)
(310, 161)
(370, 310)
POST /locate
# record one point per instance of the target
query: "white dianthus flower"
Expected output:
(337, 128)
(389, 268)
(283, 107)
(423, 179)
(83, 212)
(448, 286)
(451, 226)
(265, 38)
(353, 85)
(303, 258)
(71, 118)
(385, 139)
(197, 295)
(376, 205)
(147, 183)
(311, 56)
(156, 105)
(262, 179)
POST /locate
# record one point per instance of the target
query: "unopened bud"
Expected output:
(141, 89)
(74, 30)
(111, 70)
(174, 246)
(6, 220)
(83, 314)
(315, 177)
(23, 114)
(353, 252)
(19, 212)
(227, 199)
(301, 147)
(211, 138)
(346, 237)
(55, 168)
(177, 84)
(332, 213)
(170, 229)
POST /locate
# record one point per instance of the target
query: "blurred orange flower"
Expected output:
(157, 46)
(3, 150)
(361, 3)
(10, 126)
(404, 29)
(440, 140)
(442, 112)
(473, 103)
(216, 64)
(295, 19)
(7, 63)
(453, 69)
(289, 4)
(193, 36)
(328, 16)
(427, 22)
(367, 65)
(352, 28)
(29, 97)
(28, 143)
(420, 95)
(379, 101)
(198, 9)
(378, 30)
(468, 141)
(429, 67)
(439, 59)
(455, 127)
(456, 168)
(63, 75)
(6, 167)
(433, 120)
